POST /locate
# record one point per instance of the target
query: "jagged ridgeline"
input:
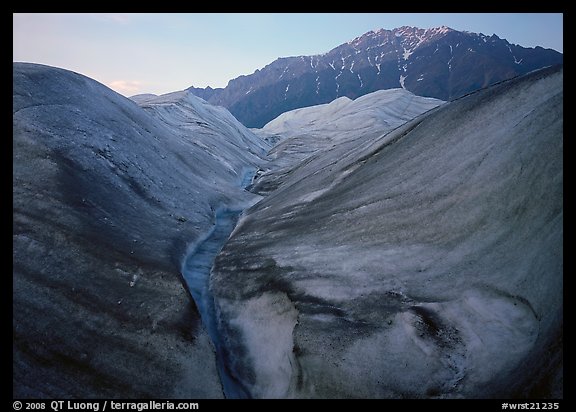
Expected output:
(438, 62)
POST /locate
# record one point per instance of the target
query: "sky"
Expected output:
(161, 52)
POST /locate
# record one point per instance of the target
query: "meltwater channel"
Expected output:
(196, 272)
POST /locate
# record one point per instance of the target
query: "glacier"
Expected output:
(301, 133)
(108, 197)
(391, 246)
(421, 263)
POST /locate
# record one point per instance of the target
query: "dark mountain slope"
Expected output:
(439, 62)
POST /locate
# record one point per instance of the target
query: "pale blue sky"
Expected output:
(160, 53)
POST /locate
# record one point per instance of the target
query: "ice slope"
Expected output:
(186, 114)
(377, 109)
(107, 198)
(138, 98)
(423, 263)
(303, 132)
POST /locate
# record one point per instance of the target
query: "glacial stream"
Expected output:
(196, 272)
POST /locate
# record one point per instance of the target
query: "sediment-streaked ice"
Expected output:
(423, 263)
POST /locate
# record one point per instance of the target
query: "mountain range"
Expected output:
(440, 62)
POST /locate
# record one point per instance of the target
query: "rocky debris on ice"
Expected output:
(422, 263)
(107, 196)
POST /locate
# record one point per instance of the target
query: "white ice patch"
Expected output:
(313, 195)
(402, 78)
(407, 53)
(266, 324)
(515, 60)
(282, 75)
(450, 63)
(135, 277)
(508, 329)
(336, 79)
(316, 194)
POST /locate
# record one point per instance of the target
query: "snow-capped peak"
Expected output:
(409, 37)
(378, 57)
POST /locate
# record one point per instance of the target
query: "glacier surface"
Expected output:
(422, 263)
(108, 197)
(392, 246)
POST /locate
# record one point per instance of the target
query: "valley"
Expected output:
(390, 246)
